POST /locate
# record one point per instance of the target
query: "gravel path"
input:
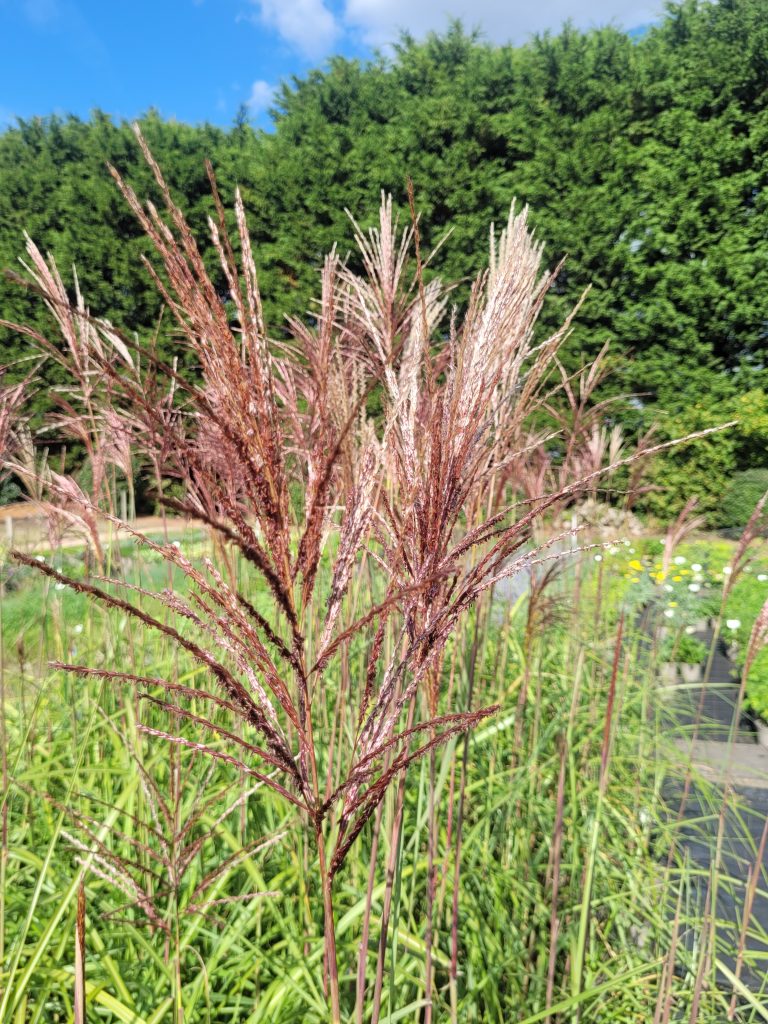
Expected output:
(21, 527)
(741, 769)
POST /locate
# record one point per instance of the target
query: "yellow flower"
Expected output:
(676, 579)
(637, 566)
(661, 576)
(673, 604)
(635, 579)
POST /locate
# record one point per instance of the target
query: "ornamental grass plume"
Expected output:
(272, 449)
(84, 416)
(683, 526)
(12, 398)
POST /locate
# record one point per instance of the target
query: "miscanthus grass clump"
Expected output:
(372, 539)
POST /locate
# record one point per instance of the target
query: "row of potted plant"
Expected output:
(744, 605)
(692, 593)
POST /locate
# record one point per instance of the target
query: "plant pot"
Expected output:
(762, 732)
(667, 673)
(691, 673)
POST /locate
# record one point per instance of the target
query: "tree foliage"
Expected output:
(644, 162)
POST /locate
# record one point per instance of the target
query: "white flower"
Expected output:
(747, 568)
(762, 577)
(669, 612)
(40, 558)
(631, 551)
(733, 623)
(680, 560)
(694, 587)
(78, 628)
(613, 551)
(598, 558)
(690, 630)
(696, 567)
(727, 570)
(625, 543)
(668, 587)
(177, 544)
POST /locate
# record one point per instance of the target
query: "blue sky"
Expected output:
(198, 60)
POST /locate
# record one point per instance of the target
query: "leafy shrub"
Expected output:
(757, 685)
(709, 604)
(9, 492)
(715, 467)
(683, 649)
(701, 470)
(741, 495)
(744, 604)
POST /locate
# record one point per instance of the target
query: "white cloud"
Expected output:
(308, 25)
(312, 27)
(380, 21)
(261, 96)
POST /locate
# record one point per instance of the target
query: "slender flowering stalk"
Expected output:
(79, 993)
